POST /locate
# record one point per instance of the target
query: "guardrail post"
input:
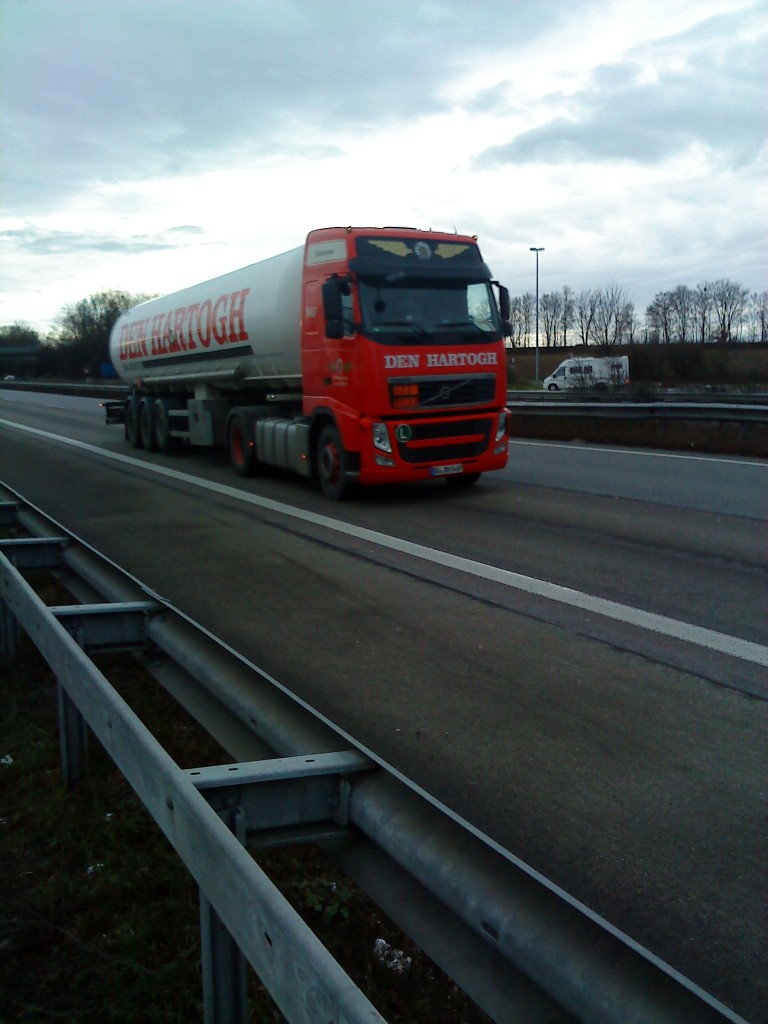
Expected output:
(73, 738)
(9, 632)
(10, 636)
(73, 734)
(225, 970)
(21, 554)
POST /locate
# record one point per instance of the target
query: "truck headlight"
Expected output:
(381, 437)
(501, 426)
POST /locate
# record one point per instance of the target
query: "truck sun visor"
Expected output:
(416, 258)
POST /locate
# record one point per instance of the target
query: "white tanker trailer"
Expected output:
(242, 327)
(368, 355)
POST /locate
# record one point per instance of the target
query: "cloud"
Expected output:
(575, 126)
(700, 88)
(95, 92)
(33, 241)
(99, 92)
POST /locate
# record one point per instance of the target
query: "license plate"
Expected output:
(446, 470)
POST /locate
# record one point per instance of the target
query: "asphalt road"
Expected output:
(573, 656)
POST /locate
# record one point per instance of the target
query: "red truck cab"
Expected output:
(403, 357)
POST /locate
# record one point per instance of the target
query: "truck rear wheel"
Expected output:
(241, 445)
(332, 463)
(146, 427)
(161, 424)
(132, 432)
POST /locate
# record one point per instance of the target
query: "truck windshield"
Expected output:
(428, 311)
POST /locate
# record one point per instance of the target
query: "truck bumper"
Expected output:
(433, 448)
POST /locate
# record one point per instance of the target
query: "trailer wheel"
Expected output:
(132, 432)
(240, 445)
(161, 425)
(331, 464)
(146, 427)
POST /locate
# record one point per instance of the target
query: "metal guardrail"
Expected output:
(722, 424)
(305, 981)
(638, 396)
(700, 408)
(522, 948)
(708, 420)
(85, 388)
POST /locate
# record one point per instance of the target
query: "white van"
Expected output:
(582, 372)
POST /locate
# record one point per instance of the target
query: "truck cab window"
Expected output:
(445, 311)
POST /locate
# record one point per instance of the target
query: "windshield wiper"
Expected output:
(462, 323)
(406, 323)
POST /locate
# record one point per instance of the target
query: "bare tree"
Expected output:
(682, 309)
(702, 304)
(629, 323)
(728, 299)
(20, 348)
(19, 335)
(550, 310)
(84, 328)
(516, 321)
(755, 319)
(659, 317)
(586, 307)
(568, 313)
(760, 316)
(721, 310)
(611, 302)
(528, 312)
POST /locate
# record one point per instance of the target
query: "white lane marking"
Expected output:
(733, 646)
(641, 452)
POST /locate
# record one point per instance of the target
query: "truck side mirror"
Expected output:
(332, 308)
(332, 298)
(504, 307)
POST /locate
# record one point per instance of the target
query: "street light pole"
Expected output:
(537, 251)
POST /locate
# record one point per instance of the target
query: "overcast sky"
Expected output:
(150, 144)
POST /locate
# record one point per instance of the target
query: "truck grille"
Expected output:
(441, 392)
(446, 441)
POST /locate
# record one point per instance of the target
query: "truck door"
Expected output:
(328, 361)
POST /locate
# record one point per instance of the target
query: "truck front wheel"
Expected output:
(240, 445)
(332, 464)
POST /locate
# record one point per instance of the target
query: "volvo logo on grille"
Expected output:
(445, 392)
